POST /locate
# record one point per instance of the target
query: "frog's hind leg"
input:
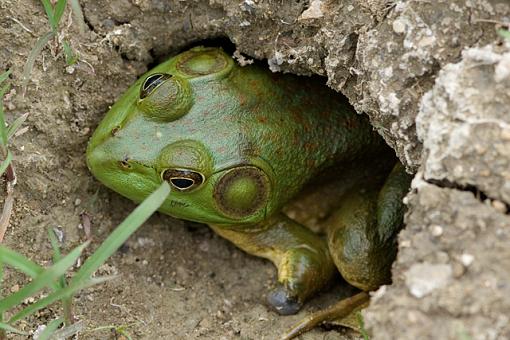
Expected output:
(362, 242)
(362, 233)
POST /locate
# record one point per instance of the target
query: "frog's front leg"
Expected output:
(301, 257)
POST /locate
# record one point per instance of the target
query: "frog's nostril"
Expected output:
(124, 164)
(115, 130)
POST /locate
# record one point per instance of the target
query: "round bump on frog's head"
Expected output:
(204, 61)
(185, 154)
(242, 192)
(165, 97)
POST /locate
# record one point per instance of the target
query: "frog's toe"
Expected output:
(282, 302)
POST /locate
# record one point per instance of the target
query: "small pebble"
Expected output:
(458, 269)
(436, 230)
(59, 233)
(38, 331)
(14, 288)
(505, 134)
(398, 26)
(423, 278)
(499, 206)
(405, 244)
(467, 259)
(204, 246)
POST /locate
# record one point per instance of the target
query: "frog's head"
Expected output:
(157, 132)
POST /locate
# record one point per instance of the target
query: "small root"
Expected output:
(339, 310)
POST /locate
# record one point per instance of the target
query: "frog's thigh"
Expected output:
(362, 233)
(301, 257)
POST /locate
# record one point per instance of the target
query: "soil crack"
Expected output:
(479, 194)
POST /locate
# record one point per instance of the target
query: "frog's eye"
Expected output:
(242, 191)
(183, 180)
(165, 97)
(151, 82)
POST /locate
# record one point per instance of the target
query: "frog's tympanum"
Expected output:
(237, 145)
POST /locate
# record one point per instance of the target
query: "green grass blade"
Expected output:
(57, 255)
(16, 125)
(3, 127)
(4, 76)
(5, 163)
(123, 332)
(19, 262)
(45, 278)
(50, 329)
(2, 331)
(504, 33)
(54, 245)
(11, 329)
(29, 64)
(122, 232)
(1, 283)
(4, 90)
(60, 7)
(362, 329)
(71, 57)
(58, 295)
(49, 13)
(1, 277)
(70, 331)
(78, 14)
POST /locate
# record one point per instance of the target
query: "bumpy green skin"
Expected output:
(246, 141)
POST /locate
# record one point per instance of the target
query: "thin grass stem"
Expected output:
(50, 329)
(29, 65)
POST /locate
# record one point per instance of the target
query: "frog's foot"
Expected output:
(342, 309)
(303, 269)
(283, 301)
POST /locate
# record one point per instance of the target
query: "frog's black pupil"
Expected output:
(182, 183)
(152, 82)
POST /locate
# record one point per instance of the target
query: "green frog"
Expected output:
(239, 146)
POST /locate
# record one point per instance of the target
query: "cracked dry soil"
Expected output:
(434, 78)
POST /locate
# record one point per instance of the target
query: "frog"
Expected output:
(237, 145)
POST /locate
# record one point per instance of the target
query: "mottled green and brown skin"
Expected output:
(237, 143)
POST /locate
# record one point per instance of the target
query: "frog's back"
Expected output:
(298, 125)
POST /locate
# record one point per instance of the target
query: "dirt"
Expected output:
(433, 77)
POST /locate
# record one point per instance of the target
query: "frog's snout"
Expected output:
(96, 157)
